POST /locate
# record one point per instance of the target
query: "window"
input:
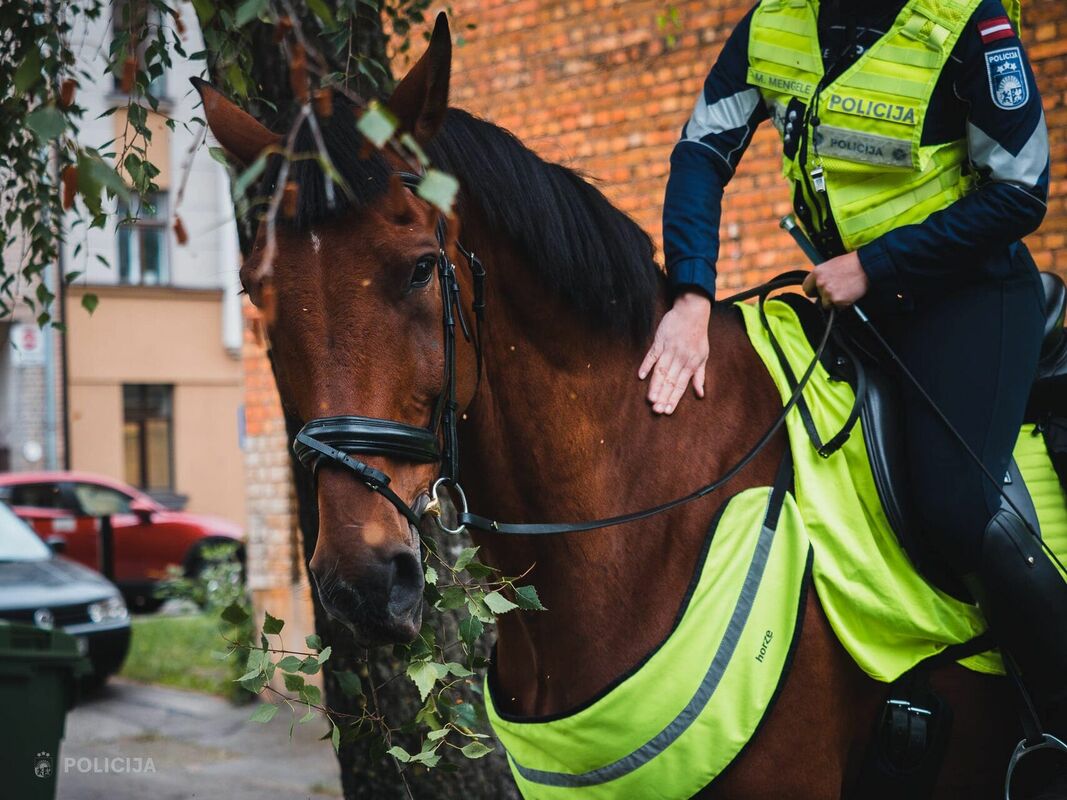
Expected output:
(142, 235)
(101, 501)
(148, 433)
(38, 495)
(133, 27)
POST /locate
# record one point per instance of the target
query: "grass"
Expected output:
(176, 651)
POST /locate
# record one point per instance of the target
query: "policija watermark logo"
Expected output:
(43, 765)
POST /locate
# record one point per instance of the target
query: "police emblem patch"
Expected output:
(1007, 78)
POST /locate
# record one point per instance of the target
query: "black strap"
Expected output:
(467, 519)
(375, 480)
(824, 449)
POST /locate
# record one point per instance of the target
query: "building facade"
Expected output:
(154, 374)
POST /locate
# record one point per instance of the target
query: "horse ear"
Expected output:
(238, 133)
(420, 100)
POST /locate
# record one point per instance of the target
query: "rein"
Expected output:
(336, 440)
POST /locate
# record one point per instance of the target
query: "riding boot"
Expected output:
(1024, 599)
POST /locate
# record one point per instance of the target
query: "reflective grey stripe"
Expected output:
(1023, 169)
(723, 115)
(704, 692)
(870, 148)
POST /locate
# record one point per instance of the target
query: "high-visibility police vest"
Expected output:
(878, 176)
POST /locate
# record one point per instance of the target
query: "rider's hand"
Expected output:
(839, 282)
(678, 353)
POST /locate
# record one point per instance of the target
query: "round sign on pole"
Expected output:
(28, 341)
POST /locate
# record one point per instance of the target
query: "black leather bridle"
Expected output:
(337, 440)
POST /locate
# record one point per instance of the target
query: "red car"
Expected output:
(65, 509)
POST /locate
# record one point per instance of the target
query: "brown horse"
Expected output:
(557, 428)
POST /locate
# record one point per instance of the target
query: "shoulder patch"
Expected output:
(1007, 78)
(994, 29)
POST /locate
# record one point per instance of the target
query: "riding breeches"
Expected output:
(975, 352)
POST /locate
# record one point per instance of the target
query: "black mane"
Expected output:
(586, 251)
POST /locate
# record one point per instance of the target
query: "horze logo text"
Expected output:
(870, 108)
(763, 647)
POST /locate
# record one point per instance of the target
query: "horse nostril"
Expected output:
(405, 584)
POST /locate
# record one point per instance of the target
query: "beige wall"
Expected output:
(159, 335)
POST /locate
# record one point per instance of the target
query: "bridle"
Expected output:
(338, 440)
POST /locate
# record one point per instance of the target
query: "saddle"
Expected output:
(851, 358)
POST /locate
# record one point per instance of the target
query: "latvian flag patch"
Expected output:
(993, 29)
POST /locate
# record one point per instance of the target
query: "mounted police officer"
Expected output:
(915, 142)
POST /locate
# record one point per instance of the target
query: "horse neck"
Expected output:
(560, 430)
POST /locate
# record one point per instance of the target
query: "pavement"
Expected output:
(131, 741)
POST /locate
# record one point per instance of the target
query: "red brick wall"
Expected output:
(594, 84)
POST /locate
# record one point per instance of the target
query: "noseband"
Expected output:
(336, 440)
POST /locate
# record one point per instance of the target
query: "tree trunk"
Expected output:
(366, 771)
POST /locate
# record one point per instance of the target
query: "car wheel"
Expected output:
(144, 602)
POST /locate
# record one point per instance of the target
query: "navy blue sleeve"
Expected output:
(726, 115)
(1008, 146)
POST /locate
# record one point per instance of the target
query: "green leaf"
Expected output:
(308, 716)
(324, 655)
(310, 665)
(293, 683)
(290, 664)
(452, 597)
(335, 738)
(499, 604)
(440, 733)
(475, 750)
(477, 607)
(466, 556)
(321, 10)
(47, 122)
(264, 713)
(526, 598)
(205, 10)
(431, 575)
(477, 570)
(248, 11)
(439, 189)
(29, 71)
(311, 695)
(272, 624)
(377, 124)
(458, 670)
(399, 753)
(350, 683)
(246, 178)
(90, 302)
(470, 631)
(234, 613)
(219, 155)
(313, 641)
(424, 674)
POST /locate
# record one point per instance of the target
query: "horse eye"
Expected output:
(423, 272)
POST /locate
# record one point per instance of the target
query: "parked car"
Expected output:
(66, 508)
(40, 588)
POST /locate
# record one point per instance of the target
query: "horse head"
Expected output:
(353, 306)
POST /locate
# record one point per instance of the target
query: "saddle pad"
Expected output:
(884, 613)
(671, 725)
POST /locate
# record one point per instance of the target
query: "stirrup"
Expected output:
(1046, 741)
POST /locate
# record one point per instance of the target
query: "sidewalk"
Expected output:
(200, 747)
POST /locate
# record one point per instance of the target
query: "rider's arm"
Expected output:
(1009, 149)
(726, 114)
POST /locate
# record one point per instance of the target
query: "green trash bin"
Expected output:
(39, 672)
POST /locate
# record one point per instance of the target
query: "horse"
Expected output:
(552, 425)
